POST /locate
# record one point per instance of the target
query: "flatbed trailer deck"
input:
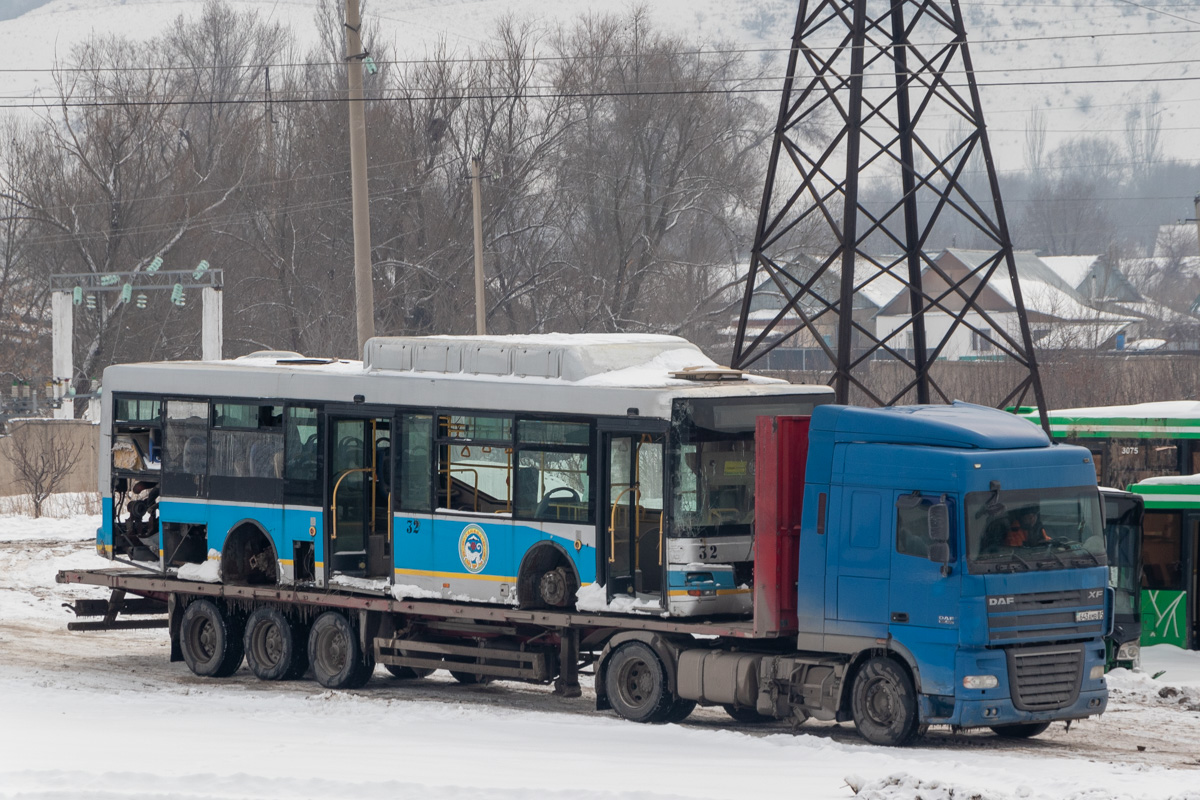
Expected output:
(579, 636)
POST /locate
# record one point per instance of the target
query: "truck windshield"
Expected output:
(1035, 529)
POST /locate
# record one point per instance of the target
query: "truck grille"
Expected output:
(1042, 616)
(1045, 678)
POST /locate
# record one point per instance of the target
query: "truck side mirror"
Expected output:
(939, 535)
(939, 523)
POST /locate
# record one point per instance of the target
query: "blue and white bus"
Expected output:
(599, 472)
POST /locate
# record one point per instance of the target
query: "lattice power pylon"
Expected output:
(884, 92)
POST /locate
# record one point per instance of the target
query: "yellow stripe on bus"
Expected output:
(431, 574)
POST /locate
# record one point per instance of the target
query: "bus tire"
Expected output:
(884, 703)
(211, 641)
(337, 660)
(748, 716)
(276, 649)
(1022, 730)
(636, 681)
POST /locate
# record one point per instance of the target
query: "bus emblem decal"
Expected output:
(473, 548)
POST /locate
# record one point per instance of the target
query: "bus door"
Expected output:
(632, 522)
(358, 494)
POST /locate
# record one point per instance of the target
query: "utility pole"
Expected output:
(480, 302)
(1196, 205)
(363, 290)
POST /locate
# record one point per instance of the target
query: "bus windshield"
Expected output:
(1123, 535)
(1034, 529)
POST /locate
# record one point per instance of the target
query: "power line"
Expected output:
(255, 66)
(536, 94)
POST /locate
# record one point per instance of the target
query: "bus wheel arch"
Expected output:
(547, 577)
(248, 556)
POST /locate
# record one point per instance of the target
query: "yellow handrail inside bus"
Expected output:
(612, 520)
(337, 485)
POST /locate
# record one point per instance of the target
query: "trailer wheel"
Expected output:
(408, 673)
(745, 715)
(680, 710)
(211, 641)
(637, 683)
(337, 660)
(1024, 730)
(884, 703)
(470, 678)
(275, 646)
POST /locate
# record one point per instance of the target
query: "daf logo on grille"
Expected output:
(1095, 594)
(1001, 601)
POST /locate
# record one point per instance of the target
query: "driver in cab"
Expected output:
(1024, 529)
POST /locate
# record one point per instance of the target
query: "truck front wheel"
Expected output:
(1023, 730)
(884, 703)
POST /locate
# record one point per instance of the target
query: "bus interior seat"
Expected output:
(266, 459)
(195, 454)
(525, 496)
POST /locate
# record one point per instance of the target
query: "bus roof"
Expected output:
(588, 374)
(1174, 419)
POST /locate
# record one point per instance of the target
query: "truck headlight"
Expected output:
(1096, 673)
(1129, 652)
(980, 682)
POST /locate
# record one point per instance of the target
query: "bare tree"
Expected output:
(43, 457)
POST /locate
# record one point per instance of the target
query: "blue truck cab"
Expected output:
(958, 539)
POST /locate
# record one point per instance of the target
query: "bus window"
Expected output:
(475, 463)
(415, 464)
(553, 478)
(1161, 551)
(301, 444)
(186, 458)
(247, 441)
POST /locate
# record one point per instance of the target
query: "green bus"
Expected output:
(1170, 557)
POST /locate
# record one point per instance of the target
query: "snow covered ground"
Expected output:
(105, 715)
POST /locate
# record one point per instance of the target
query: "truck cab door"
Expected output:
(923, 602)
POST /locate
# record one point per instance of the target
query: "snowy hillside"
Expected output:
(1060, 46)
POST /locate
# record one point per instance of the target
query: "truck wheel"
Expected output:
(211, 641)
(884, 703)
(337, 660)
(637, 684)
(1024, 730)
(275, 648)
(747, 715)
(408, 673)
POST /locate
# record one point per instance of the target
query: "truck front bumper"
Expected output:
(989, 712)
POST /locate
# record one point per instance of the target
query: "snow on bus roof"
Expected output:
(1167, 409)
(626, 360)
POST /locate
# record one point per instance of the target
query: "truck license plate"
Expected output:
(1088, 616)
